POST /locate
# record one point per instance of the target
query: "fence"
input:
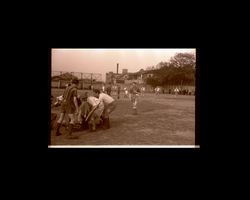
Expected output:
(59, 79)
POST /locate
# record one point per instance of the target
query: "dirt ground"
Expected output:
(162, 120)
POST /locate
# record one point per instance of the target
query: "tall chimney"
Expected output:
(117, 68)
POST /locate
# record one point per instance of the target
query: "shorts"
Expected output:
(134, 98)
(68, 108)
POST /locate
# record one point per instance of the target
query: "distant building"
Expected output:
(124, 71)
(126, 78)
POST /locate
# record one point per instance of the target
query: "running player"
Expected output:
(134, 94)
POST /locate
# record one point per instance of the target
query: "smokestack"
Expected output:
(117, 68)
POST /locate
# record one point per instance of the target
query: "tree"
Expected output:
(179, 71)
(161, 65)
(153, 81)
(183, 60)
(149, 68)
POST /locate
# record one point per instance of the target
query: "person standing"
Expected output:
(158, 90)
(108, 89)
(142, 91)
(176, 91)
(134, 94)
(69, 106)
(125, 93)
(118, 91)
(103, 88)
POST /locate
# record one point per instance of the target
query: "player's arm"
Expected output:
(76, 104)
(80, 114)
(75, 101)
(86, 110)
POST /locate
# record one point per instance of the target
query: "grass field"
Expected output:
(161, 120)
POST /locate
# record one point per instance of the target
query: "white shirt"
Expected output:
(93, 101)
(105, 98)
(60, 98)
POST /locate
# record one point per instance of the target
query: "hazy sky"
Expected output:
(105, 60)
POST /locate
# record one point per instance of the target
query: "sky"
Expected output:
(105, 60)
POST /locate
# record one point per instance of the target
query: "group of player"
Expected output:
(88, 111)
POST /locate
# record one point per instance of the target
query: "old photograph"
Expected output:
(127, 98)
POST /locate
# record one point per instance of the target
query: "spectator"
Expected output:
(118, 91)
(125, 92)
(176, 91)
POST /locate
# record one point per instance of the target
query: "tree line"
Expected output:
(180, 70)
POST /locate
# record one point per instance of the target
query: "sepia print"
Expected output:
(123, 98)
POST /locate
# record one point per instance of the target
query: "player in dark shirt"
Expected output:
(69, 106)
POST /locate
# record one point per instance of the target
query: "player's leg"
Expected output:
(71, 125)
(72, 120)
(135, 106)
(133, 100)
(53, 119)
(59, 123)
(61, 118)
(105, 118)
(70, 109)
(92, 124)
(105, 123)
(111, 107)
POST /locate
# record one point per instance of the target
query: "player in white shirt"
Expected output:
(142, 91)
(125, 92)
(91, 109)
(109, 106)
